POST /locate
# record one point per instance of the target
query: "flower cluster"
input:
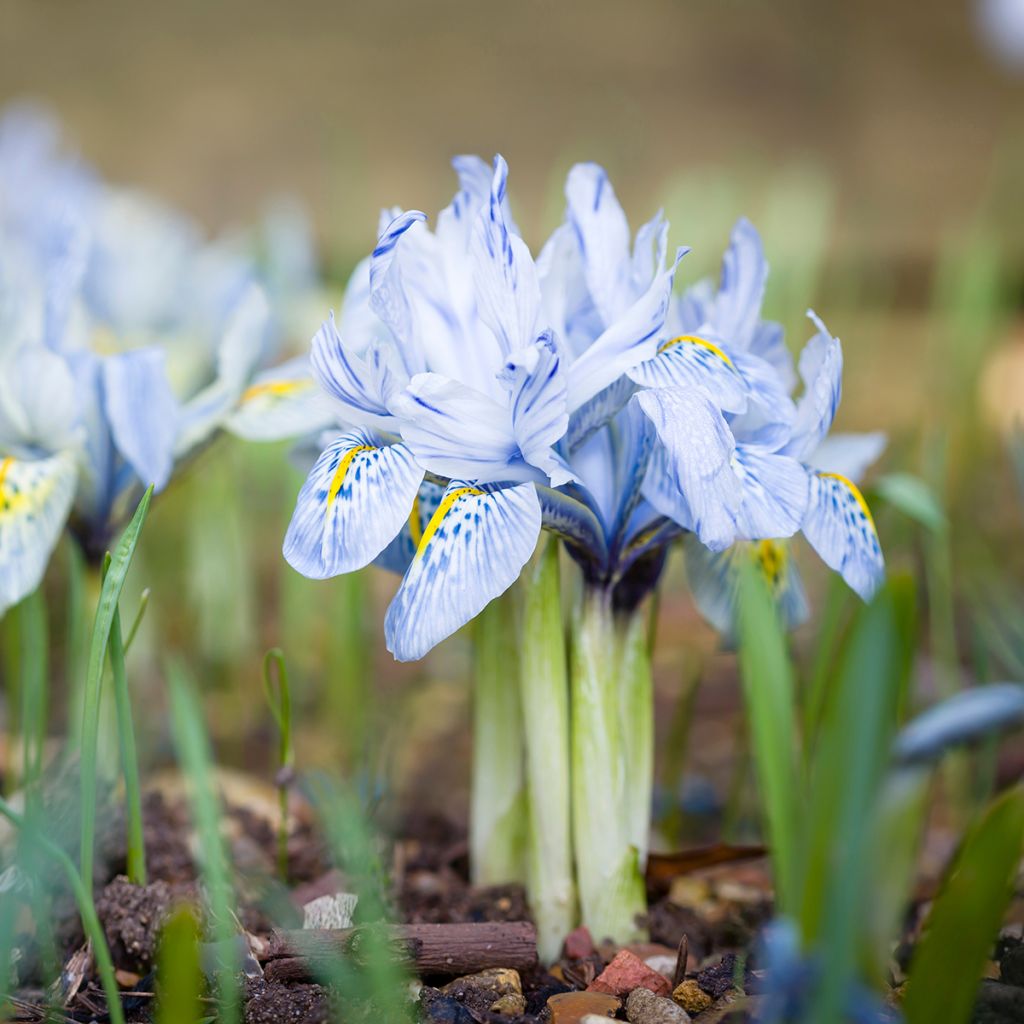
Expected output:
(493, 395)
(126, 340)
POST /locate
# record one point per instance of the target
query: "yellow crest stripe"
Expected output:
(5, 465)
(692, 339)
(772, 558)
(275, 388)
(855, 491)
(339, 474)
(415, 526)
(438, 517)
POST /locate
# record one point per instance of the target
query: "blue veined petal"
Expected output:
(472, 550)
(354, 502)
(455, 223)
(690, 478)
(504, 276)
(363, 384)
(596, 412)
(768, 394)
(774, 493)
(741, 290)
(714, 580)
(397, 556)
(693, 309)
(848, 454)
(821, 367)
(281, 403)
(143, 412)
(574, 521)
(35, 498)
(566, 304)
(649, 249)
(602, 233)
(458, 432)
(630, 340)
(537, 388)
(693, 361)
(840, 528)
(388, 297)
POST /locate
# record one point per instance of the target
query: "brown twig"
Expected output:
(682, 955)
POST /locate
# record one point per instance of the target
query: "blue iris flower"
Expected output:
(126, 341)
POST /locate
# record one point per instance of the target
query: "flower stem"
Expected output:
(498, 798)
(544, 690)
(611, 886)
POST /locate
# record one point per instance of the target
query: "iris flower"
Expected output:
(126, 341)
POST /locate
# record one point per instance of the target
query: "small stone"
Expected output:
(664, 964)
(437, 1008)
(644, 1007)
(498, 990)
(627, 972)
(573, 1007)
(691, 997)
(719, 978)
(998, 1003)
(578, 943)
(330, 911)
(126, 979)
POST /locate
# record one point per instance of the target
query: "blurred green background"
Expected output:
(878, 146)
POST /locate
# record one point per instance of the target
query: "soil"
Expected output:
(714, 912)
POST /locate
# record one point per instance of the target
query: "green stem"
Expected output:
(497, 800)
(90, 922)
(129, 755)
(636, 701)
(34, 685)
(350, 693)
(544, 692)
(611, 886)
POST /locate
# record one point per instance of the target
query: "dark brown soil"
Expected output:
(267, 1002)
(132, 916)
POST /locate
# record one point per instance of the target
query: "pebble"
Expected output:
(691, 997)
(574, 1007)
(644, 1007)
(438, 1008)
(627, 972)
(498, 990)
(578, 943)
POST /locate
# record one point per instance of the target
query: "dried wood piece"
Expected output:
(451, 949)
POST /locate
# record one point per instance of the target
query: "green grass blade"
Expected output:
(86, 909)
(196, 761)
(769, 695)
(129, 754)
(110, 594)
(280, 704)
(178, 972)
(34, 683)
(850, 762)
(947, 965)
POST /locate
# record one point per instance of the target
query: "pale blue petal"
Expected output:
(354, 502)
(537, 390)
(774, 493)
(363, 384)
(388, 296)
(281, 403)
(602, 233)
(567, 306)
(649, 250)
(629, 341)
(848, 454)
(456, 431)
(596, 412)
(575, 522)
(693, 309)
(714, 581)
(246, 338)
(769, 342)
(741, 290)
(694, 361)
(35, 498)
(690, 478)
(839, 527)
(39, 403)
(505, 278)
(769, 396)
(821, 367)
(472, 550)
(143, 412)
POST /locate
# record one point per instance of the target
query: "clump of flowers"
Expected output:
(127, 340)
(493, 396)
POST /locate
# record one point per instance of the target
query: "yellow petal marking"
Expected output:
(692, 339)
(339, 474)
(855, 491)
(5, 465)
(275, 389)
(438, 517)
(772, 558)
